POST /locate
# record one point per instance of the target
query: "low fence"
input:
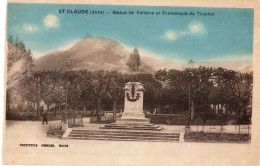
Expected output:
(231, 129)
(182, 119)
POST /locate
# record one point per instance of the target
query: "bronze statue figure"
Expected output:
(134, 61)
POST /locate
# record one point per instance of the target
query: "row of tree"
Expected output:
(104, 90)
(84, 89)
(204, 86)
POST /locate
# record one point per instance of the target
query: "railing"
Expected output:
(231, 129)
(75, 120)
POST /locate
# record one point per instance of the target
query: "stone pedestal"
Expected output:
(133, 105)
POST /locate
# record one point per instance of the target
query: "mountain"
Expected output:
(91, 54)
(241, 66)
(106, 54)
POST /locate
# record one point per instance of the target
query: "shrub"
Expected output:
(175, 119)
(216, 137)
(55, 131)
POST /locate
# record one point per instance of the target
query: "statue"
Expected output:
(134, 61)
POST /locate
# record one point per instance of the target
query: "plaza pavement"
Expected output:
(93, 152)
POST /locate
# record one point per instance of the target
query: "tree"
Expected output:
(39, 86)
(100, 83)
(238, 86)
(10, 39)
(58, 96)
(174, 99)
(115, 91)
(85, 82)
(191, 82)
(19, 66)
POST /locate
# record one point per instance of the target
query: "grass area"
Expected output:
(216, 137)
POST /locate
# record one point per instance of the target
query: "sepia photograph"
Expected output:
(101, 81)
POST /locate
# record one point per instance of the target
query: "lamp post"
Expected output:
(190, 66)
(67, 90)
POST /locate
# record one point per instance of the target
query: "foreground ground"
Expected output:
(88, 152)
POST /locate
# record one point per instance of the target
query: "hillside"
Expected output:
(92, 54)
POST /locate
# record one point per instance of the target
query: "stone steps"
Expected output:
(117, 135)
(127, 132)
(131, 127)
(122, 136)
(133, 124)
(133, 120)
(117, 139)
(119, 131)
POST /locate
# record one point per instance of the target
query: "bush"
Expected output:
(216, 137)
(181, 119)
(31, 116)
(55, 132)
(20, 116)
(175, 119)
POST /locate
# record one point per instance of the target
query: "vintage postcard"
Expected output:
(131, 84)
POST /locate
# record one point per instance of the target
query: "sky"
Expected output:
(226, 35)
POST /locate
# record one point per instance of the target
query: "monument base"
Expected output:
(133, 114)
(133, 117)
(132, 120)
